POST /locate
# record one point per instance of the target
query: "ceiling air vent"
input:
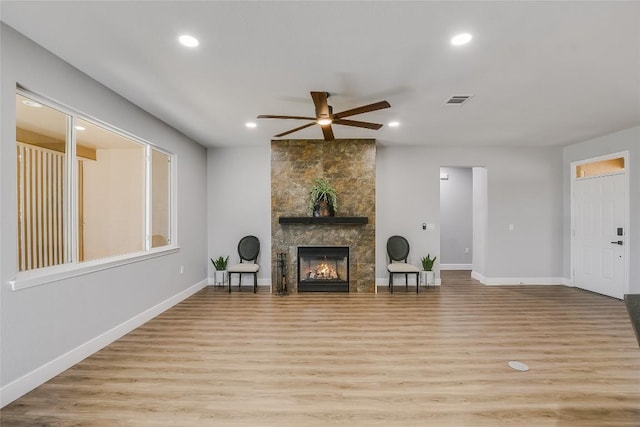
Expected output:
(457, 99)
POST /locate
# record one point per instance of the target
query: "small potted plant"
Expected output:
(427, 266)
(323, 200)
(220, 264)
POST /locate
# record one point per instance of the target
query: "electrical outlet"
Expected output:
(466, 250)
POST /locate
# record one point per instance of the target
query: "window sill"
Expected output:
(29, 279)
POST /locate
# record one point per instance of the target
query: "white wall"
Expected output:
(45, 328)
(480, 221)
(113, 200)
(628, 139)
(239, 204)
(456, 214)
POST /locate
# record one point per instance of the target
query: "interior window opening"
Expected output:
(112, 199)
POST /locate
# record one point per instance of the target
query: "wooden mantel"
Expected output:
(355, 220)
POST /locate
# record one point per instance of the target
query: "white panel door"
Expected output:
(599, 255)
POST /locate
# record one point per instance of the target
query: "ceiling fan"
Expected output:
(325, 117)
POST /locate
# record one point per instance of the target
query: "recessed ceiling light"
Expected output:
(188, 41)
(461, 39)
(250, 124)
(80, 128)
(31, 103)
(394, 124)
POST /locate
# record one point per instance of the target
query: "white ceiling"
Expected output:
(541, 73)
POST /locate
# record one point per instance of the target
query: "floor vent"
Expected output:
(457, 99)
(518, 366)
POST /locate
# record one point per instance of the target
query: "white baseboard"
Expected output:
(568, 282)
(500, 281)
(477, 276)
(44, 373)
(456, 266)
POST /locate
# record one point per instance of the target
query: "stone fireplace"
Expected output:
(349, 165)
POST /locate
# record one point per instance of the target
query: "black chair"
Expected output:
(248, 250)
(398, 252)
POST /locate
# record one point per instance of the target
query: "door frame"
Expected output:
(627, 235)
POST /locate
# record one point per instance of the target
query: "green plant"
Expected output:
(322, 191)
(220, 263)
(427, 262)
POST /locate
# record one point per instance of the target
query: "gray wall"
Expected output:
(626, 140)
(524, 188)
(456, 214)
(43, 323)
(239, 203)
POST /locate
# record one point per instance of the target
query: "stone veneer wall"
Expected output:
(350, 166)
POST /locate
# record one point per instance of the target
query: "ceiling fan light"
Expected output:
(324, 122)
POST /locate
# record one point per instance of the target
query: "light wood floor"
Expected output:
(434, 359)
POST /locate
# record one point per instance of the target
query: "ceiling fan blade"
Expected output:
(328, 133)
(270, 116)
(357, 123)
(364, 109)
(294, 130)
(320, 101)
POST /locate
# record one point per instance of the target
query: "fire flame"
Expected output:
(323, 271)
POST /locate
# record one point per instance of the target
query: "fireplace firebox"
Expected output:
(323, 269)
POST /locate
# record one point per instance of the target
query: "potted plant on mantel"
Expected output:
(428, 273)
(323, 200)
(220, 264)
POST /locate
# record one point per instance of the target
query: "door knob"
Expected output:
(619, 242)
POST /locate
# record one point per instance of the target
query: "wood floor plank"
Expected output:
(438, 358)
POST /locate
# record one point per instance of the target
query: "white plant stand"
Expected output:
(220, 277)
(428, 278)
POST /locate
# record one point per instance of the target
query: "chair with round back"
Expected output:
(248, 250)
(398, 252)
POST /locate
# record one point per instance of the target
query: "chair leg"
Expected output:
(240, 282)
(229, 280)
(255, 282)
(406, 281)
(391, 282)
(417, 283)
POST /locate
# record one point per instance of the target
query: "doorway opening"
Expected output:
(463, 216)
